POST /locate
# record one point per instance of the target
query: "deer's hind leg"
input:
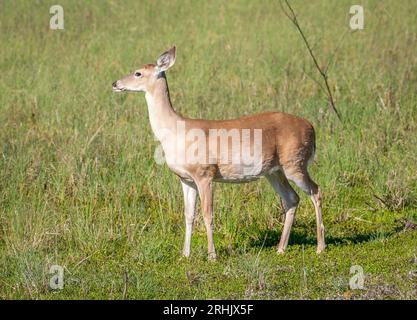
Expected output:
(290, 200)
(302, 179)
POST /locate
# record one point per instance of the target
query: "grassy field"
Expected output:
(79, 186)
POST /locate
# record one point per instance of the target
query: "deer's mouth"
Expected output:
(117, 87)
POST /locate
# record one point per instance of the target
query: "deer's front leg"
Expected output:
(190, 195)
(206, 196)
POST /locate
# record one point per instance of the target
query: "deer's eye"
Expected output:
(137, 74)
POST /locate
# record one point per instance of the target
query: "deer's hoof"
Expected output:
(280, 251)
(212, 256)
(320, 249)
(185, 254)
(184, 257)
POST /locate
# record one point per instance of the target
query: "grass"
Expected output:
(79, 186)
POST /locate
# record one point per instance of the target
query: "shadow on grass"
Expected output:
(270, 238)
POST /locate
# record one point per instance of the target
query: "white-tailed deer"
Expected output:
(278, 146)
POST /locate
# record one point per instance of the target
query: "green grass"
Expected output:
(79, 186)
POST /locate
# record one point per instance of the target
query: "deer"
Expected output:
(286, 145)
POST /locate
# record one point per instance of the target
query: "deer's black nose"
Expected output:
(114, 84)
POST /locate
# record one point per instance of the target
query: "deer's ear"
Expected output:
(166, 60)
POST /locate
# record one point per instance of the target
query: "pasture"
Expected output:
(80, 189)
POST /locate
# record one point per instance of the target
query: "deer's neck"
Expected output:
(162, 116)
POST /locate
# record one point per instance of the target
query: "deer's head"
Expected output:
(143, 79)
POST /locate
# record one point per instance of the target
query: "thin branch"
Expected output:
(293, 18)
(125, 281)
